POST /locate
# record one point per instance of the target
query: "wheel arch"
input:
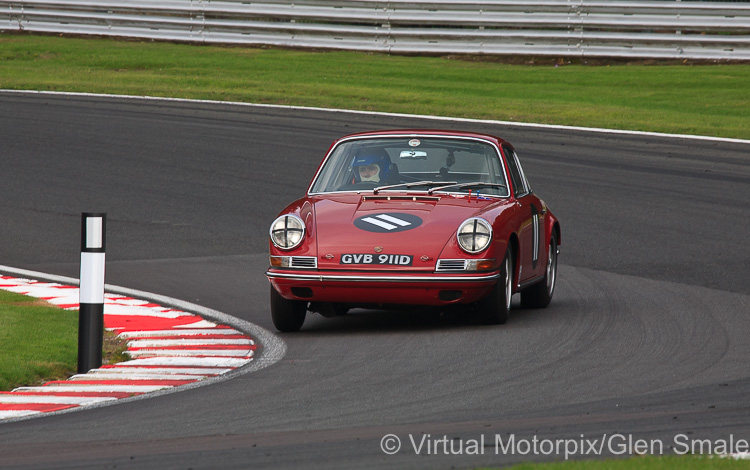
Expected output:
(556, 231)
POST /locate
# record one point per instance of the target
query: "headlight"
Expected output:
(287, 231)
(474, 235)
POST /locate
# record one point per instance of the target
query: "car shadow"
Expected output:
(366, 321)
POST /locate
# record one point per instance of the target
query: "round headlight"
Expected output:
(474, 235)
(287, 231)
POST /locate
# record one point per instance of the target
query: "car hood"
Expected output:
(417, 226)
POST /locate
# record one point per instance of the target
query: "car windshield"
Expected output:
(429, 164)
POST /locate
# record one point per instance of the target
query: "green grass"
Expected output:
(39, 342)
(686, 462)
(692, 99)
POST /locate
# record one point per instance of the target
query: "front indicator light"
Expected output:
(287, 232)
(280, 261)
(479, 264)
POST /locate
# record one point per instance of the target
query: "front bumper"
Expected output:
(368, 288)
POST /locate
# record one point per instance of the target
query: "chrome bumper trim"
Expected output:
(379, 278)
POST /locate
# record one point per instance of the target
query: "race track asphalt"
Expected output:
(647, 335)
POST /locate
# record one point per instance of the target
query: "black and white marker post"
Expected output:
(91, 293)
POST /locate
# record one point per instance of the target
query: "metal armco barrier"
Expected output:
(581, 28)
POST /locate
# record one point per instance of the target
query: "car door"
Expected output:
(531, 229)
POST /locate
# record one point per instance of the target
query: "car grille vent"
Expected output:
(304, 262)
(451, 265)
(401, 198)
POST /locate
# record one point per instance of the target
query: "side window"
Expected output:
(523, 175)
(520, 187)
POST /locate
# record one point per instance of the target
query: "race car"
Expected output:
(402, 218)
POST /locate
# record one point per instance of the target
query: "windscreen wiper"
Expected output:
(466, 185)
(414, 183)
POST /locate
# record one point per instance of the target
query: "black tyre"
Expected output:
(495, 308)
(287, 315)
(540, 295)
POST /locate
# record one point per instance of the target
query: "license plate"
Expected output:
(381, 259)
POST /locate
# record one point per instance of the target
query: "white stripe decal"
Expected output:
(394, 220)
(379, 223)
(536, 237)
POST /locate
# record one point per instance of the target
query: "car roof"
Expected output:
(426, 132)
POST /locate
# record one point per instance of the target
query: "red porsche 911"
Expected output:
(405, 217)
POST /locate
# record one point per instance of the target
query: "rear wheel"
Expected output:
(495, 308)
(540, 295)
(287, 315)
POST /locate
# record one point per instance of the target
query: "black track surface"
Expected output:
(648, 333)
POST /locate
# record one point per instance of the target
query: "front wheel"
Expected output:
(495, 308)
(540, 294)
(287, 315)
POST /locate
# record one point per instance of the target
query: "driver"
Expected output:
(371, 165)
(369, 172)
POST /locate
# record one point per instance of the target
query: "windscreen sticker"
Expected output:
(388, 222)
(415, 143)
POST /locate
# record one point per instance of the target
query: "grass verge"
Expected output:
(39, 342)
(691, 99)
